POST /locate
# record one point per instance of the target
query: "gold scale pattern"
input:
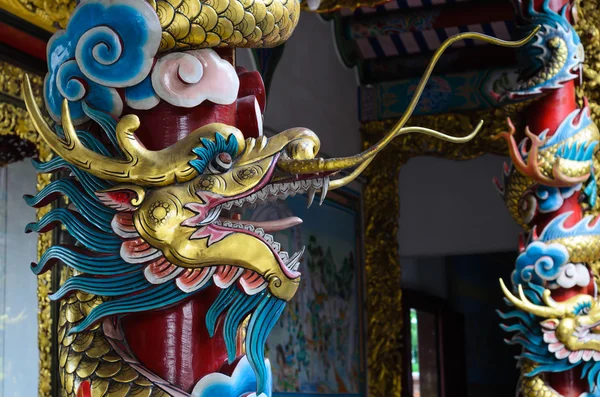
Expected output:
(188, 24)
(88, 355)
(225, 23)
(534, 386)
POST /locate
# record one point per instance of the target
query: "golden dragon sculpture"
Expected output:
(166, 290)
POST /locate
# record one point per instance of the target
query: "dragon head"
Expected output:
(554, 57)
(556, 334)
(570, 328)
(176, 207)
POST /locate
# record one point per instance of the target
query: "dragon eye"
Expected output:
(221, 163)
(583, 308)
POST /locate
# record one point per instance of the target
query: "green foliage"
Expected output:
(414, 340)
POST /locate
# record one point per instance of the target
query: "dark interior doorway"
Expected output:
(454, 345)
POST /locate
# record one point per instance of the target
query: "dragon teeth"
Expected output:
(284, 187)
(212, 216)
(276, 246)
(251, 199)
(294, 262)
(278, 191)
(284, 256)
(311, 196)
(324, 190)
(256, 230)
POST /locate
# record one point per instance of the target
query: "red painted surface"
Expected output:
(568, 383)
(571, 204)
(466, 14)
(174, 343)
(22, 41)
(563, 294)
(248, 116)
(85, 389)
(555, 5)
(165, 124)
(552, 109)
(548, 113)
(251, 83)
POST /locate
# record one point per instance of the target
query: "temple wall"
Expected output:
(450, 207)
(311, 88)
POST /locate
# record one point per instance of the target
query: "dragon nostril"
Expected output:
(302, 149)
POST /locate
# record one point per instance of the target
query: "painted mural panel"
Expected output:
(316, 347)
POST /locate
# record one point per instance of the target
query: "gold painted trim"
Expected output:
(382, 267)
(44, 285)
(383, 273)
(14, 119)
(587, 27)
(45, 14)
(11, 79)
(44, 308)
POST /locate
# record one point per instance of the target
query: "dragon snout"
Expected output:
(304, 148)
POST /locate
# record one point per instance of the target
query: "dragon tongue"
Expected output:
(269, 226)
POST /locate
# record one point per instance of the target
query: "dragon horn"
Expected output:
(139, 166)
(525, 305)
(547, 298)
(307, 166)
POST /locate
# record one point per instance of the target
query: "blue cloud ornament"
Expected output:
(540, 262)
(242, 382)
(113, 44)
(70, 83)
